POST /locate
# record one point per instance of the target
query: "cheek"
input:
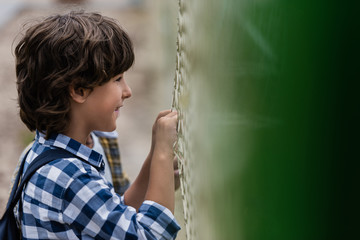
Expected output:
(99, 107)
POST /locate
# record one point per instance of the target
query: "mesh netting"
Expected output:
(182, 104)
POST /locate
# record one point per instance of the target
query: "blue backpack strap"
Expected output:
(17, 179)
(39, 161)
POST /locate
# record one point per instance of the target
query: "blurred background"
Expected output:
(271, 101)
(273, 111)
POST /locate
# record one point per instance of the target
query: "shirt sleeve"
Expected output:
(93, 209)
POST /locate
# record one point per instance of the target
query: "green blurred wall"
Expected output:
(274, 85)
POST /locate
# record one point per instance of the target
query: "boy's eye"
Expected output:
(118, 79)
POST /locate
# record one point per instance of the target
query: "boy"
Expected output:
(70, 80)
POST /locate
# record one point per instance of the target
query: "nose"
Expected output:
(127, 91)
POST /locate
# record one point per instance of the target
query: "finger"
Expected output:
(172, 114)
(163, 113)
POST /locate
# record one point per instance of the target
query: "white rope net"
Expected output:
(182, 104)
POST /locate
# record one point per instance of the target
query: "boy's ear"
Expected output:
(79, 95)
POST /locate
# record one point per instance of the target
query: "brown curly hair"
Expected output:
(78, 49)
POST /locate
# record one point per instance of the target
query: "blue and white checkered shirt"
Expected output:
(70, 199)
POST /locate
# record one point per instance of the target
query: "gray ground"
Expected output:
(150, 80)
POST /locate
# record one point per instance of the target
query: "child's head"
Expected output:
(79, 50)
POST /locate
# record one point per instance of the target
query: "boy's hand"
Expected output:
(155, 127)
(164, 131)
(161, 114)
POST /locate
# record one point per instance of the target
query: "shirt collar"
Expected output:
(61, 141)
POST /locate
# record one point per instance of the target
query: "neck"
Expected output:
(78, 129)
(81, 137)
